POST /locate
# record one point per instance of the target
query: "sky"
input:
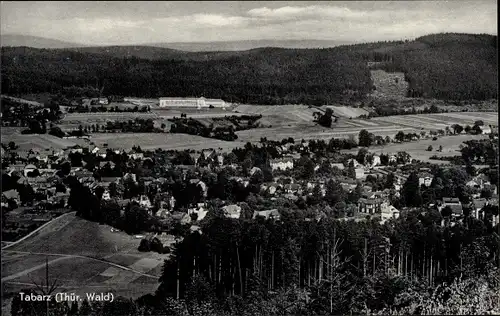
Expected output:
(137, 22)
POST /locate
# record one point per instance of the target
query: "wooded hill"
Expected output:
(443, 66)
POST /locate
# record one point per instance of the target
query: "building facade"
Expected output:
(191, 102)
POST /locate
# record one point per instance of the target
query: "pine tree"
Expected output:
(351, 171)
(85, 309)
(411, 191)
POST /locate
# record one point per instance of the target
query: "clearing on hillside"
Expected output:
(389, 85)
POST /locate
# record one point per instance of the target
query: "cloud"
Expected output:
(308, 12)
(217, 20)
(136, 22)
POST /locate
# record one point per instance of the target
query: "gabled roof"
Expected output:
(479, 203)
(11, 194)
(448, 200)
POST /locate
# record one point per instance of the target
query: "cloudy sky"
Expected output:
(129, 22)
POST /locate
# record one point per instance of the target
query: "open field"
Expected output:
(82, 118)
(283, 124)
(84, 257)
(440, 120)
(159, 140)
(347, 112)
(37, 142)
(418, 149)
(315, 132)
(281, 115)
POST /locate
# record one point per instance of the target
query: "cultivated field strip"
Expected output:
(93, 117)
(470, 116)
(345, 111)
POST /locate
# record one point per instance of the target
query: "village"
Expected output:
(180, 187)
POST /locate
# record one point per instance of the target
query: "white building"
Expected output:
(144, 201)
(106, 196)
(425, 178)
(191, 102)
(485, 129)
(232, 211)
(282, 164)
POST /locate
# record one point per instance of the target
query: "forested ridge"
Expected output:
(443, 66)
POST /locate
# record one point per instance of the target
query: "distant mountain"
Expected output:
(247, 45)
(41, 42)
(10, 40)
(442, 66)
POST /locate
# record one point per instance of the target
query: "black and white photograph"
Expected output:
(250, 158)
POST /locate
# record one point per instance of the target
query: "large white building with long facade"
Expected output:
(191, 102)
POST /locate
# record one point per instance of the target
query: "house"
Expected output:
(454, 204)
(425, 178)
(370, 206)
(268, 214)
(340, 166)
(284, 163)
(103, 164)
(12, 195)
(135, 156)
(29, 168)
(291, 197)
(477, 206)
(254, 170)
(355, 163)
(269, 188)
(144, 201)
(293, 188)
(130, 177)
(388, 212)
(360, 173)
(108, 180)
(103, 101)
(201, 184)
(106, 195)
(376, 161)
(200, 212)
(232, 211)
(485, 129)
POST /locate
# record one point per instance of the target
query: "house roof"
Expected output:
(109, 179)
(30, 166)
(370, 201)
(267, 213)
(11, 194)
(232, 209)
(448, 200)
(479, 203)
(425, 174)
(338, 165)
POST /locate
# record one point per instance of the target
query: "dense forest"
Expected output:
(445, 66)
